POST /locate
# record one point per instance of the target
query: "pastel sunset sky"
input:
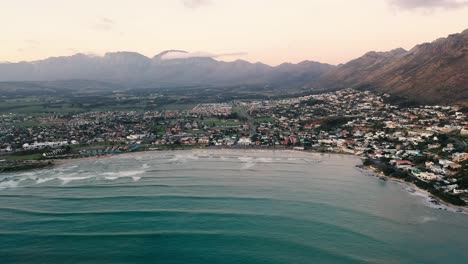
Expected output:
(270, 31)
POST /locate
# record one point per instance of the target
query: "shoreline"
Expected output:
(417, 191)
(58, 162)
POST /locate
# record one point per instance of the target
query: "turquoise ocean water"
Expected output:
(220, 207)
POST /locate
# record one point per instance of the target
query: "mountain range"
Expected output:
(435, 72)
(132, 68)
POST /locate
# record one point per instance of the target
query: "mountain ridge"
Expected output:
(431, 72)
(131, 67)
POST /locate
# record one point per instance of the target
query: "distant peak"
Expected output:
(83, 56)
(124, 54)
(394, 52)
(241, 61)
(398, 51)
(309, 62)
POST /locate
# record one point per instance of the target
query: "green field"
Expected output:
(221, 123)
(36, 156)
(39, 106)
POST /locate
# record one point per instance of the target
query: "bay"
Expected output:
(220, 206)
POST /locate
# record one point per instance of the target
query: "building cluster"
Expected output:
(429, 142)
(222, 109)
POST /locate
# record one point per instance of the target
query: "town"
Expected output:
(426, 145)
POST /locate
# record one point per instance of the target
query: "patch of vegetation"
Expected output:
(11, 166)
(401, 101)
(214, 122)
(36, 156)
(334, 122)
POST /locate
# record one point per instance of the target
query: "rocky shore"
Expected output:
(430, 199)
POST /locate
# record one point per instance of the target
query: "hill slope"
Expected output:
(434, 72)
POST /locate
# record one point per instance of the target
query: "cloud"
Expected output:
(107, 20)
(31, 42)
(199, 54)
(73, 50)
(104, 24)
(195, 3)
(428, 4)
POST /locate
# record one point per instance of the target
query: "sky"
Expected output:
(269, 31)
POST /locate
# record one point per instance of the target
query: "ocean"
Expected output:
(221, 206)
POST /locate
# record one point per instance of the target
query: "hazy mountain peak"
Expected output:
(398, 51)
(391, 53)
(430, 72)
(125, 54)
(170, 67)
(309, 62)
(242, 62)
(80, 55)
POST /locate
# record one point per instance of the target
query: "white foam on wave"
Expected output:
(26, 174)
(66, 168)
(312, 160)
(245, 159)
(264, 160)
(427, 219)
(121, 174)
(416, 192)
(69, 168)
(184, 158)
(9, 184)
(248, 162)
(145, 166)
(136, 178)
(247, 166)
(43, 180)
(66, 180)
